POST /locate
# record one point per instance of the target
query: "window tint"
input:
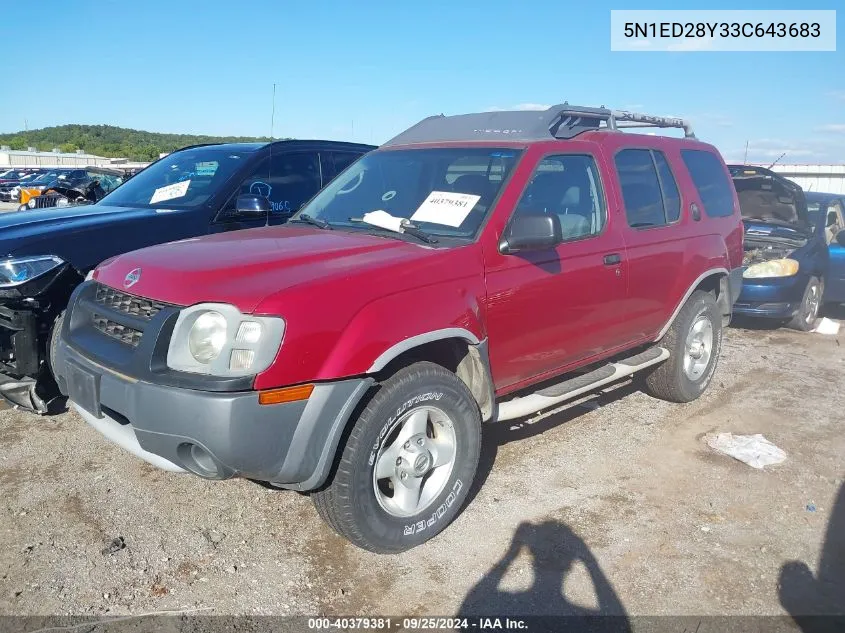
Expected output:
(709, 176)
(342, 160)
(671, 197)
(568, 187)
(288, 180)
(640, 188)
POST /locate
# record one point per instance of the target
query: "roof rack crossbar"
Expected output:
(571, 121)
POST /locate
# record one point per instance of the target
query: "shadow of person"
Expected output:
(817, 603)
(555, 550)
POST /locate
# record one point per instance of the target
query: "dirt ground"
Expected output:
(613, 504)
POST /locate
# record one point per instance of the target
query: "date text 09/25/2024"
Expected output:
(420, 623)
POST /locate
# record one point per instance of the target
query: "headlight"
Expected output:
(772, 268)
(62, 202)
(18, 270)
(31, 203)
(207, 337)
(218, 340)
(15, 192)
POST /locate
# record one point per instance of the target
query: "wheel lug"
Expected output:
(403, 475)
(408, 444)
(420, 442)
(398, 461)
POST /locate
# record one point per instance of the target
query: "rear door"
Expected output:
(654, 234)
(548, 309)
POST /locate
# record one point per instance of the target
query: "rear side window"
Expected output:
(640, 188)
(711, 181)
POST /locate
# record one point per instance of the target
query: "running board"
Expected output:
(574, 387)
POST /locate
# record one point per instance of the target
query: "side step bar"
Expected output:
(574, 387)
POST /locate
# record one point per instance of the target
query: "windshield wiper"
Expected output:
(307, 219)
(406, 227)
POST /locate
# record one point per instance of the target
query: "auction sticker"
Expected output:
(176, 190)
(445, 207)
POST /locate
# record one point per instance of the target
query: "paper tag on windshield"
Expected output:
(176, 190)
(445, 207)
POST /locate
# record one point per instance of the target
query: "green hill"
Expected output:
(111, 141)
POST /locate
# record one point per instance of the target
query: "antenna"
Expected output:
(270, 157)
(745, 160)
(776, 161)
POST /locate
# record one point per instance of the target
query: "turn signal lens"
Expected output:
(241, 359)
(285, 394)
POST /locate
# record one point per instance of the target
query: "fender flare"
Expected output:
(394, 351)
(718, 271)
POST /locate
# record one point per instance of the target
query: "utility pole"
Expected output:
(745, 160)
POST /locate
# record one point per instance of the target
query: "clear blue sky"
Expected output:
(365, 70)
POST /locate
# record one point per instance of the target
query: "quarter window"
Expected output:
(567, 187)
(671, 197)
(711, 181)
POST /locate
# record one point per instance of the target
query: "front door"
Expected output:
(286, 179)
(548, 309)
(835, 235)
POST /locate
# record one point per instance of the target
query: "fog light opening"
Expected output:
(199, 461)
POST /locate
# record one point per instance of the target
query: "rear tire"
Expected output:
(811, 302)
(694, 342)
(408, 464)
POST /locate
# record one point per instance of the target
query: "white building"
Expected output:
(33, 158)
(818, 178)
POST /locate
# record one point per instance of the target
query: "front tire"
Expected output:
(408, 464)
(808, 312)
(694, 342)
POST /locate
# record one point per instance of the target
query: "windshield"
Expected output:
(183, 180)
(445, 191)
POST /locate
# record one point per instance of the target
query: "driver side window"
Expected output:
(287, 179)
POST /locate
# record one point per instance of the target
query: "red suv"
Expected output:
(474, 269)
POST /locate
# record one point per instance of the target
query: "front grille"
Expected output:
(128, 304)
(46, 202)
(117, 331)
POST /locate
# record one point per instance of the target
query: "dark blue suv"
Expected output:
(786, 256)
(197, 190)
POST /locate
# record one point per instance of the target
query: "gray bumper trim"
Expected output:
(218, 435)
(124, 436)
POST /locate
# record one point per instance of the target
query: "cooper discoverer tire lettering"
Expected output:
(408, 462)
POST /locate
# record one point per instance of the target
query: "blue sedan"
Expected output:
(786, 260)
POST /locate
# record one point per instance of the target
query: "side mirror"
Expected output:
(840, 237)
(531, 233)
(253, 206)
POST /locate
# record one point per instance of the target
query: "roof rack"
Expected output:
(561, 121)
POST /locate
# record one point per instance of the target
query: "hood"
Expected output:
(768, 231)
(245, 267)
(46, 229)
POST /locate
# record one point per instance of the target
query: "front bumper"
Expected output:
(216, 435)
(775, 298)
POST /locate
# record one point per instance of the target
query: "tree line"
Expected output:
(111, 141)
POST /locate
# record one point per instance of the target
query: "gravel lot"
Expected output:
(612, 503)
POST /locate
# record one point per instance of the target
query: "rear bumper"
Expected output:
(215, 435)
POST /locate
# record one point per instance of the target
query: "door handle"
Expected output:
(612, 259)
